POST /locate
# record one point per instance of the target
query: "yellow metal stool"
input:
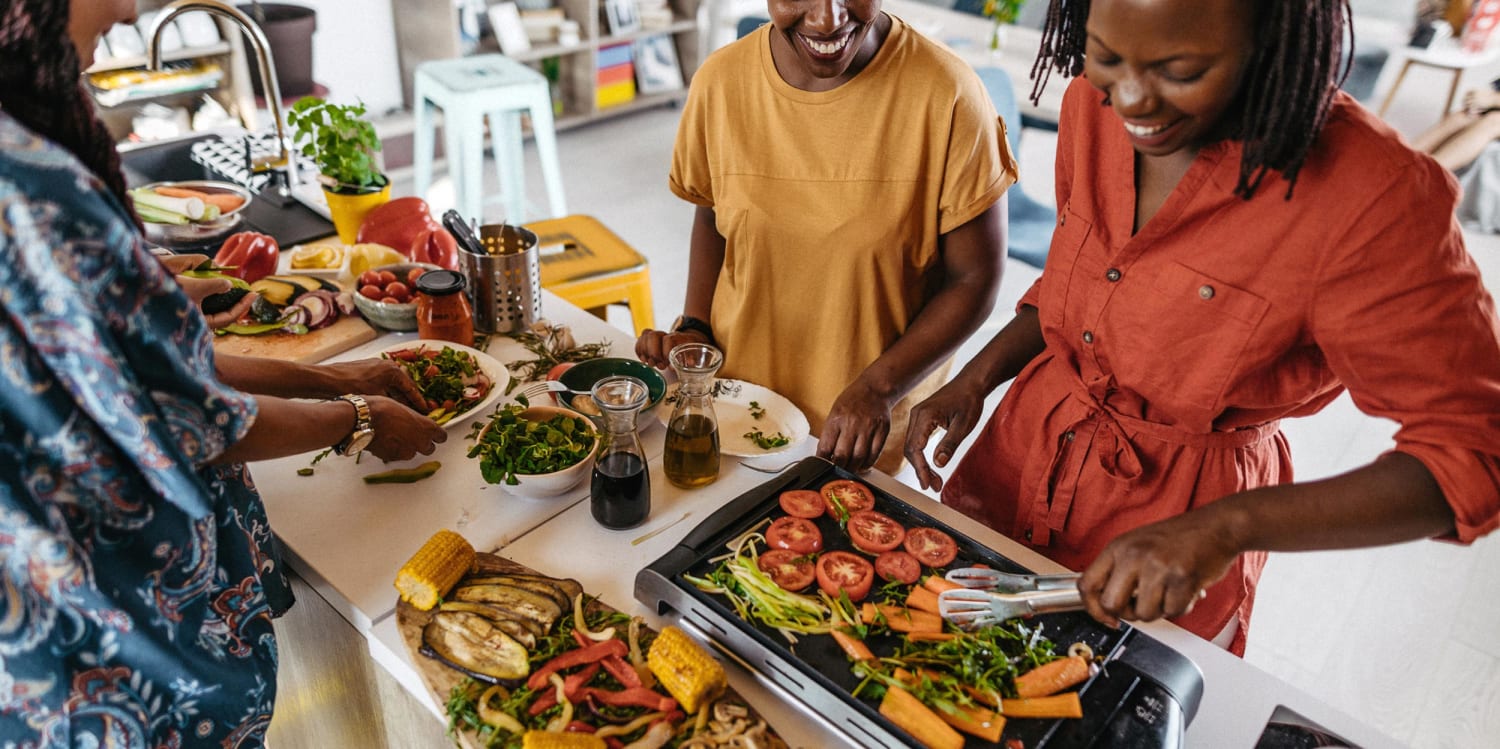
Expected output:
(587, 264)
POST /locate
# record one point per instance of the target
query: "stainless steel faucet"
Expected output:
(262, 49)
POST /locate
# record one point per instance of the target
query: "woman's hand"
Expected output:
(198, 289)
(856, 428)
(401, 433)
(1158, 570)
(654, 345)
(376, 377)
(955, 408)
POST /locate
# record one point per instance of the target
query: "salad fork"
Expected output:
(538, 390)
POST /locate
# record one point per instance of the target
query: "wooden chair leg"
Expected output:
(1452, 91)
(1391, 95)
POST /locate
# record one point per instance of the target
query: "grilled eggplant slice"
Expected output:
(523, 603)
(570, 588)
(523, 631)
(543, 586)
(475, 645)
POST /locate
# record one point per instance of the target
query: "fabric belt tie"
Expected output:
(1111, 436)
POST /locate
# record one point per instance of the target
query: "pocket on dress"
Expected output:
(1181, 337)
(1064, 259)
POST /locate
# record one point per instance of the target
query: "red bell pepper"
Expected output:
(633, 697)
(436, 246)
(248, 256)
(571, 687)
(622, 671)
(407, 225)
(577, 657)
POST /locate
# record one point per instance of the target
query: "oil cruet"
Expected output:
(620, 493)
(691, 458)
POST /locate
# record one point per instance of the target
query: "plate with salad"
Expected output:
(457, 381)
(753, 420)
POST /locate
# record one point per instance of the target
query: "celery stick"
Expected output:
(158, 216)
(191, 208)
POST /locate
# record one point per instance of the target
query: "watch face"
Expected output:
(359, 441)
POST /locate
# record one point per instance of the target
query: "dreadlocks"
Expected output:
(1289, 88)
(41, 86)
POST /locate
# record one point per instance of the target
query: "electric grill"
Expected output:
(1143, 696)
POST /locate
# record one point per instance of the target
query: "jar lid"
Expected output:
(440, 282)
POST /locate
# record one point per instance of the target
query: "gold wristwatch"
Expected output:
(364, 428)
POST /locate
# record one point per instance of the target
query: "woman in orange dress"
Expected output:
(1238, 242)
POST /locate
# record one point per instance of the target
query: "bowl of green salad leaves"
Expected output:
(534, 451)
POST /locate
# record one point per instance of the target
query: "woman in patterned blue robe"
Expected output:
(138, 570)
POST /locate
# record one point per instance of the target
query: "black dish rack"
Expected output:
(1143, 696)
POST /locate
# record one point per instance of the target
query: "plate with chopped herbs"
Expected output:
(753, 420)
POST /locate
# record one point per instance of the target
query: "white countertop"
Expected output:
(348, 540)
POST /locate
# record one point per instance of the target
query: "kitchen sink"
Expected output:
(287, 220)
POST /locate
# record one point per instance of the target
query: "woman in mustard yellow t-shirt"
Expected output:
(849, 235)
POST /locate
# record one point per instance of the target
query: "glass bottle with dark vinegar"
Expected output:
(620, 494)
(691, 457)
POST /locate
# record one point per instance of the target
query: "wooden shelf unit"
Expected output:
(430, 31)
(233, 91)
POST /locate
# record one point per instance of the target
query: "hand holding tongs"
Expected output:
(977, 605)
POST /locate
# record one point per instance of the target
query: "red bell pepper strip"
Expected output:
(577, 657)
(622, 671)
(614, 742)
(582, 641)
(248, 256)
(572, 688)
(633, 697)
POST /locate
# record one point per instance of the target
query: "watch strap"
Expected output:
(363, 430)
(688, 322)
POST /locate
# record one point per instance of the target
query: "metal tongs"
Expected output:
(990, 596)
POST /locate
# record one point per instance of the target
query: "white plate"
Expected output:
(499, 375)
(284, 265)
(732, 408)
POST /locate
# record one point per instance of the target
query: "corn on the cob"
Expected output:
(434, 569)
(689, 673)
(535, 739)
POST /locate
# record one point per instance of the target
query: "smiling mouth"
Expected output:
(829, 47)
(1146, 131)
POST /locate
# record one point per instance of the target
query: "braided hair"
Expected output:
(41, 86)
(1297, 69)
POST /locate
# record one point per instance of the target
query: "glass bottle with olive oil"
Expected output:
(691, 458)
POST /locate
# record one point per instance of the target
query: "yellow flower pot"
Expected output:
(348, 211)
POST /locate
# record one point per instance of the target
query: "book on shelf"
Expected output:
(615, 54)
(615, 74)
(614, 94)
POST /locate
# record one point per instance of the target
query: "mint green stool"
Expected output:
(469, 89)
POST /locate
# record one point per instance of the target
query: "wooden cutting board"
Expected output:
(310, 348)
(440, 679)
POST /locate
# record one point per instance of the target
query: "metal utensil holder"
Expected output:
(505, 285)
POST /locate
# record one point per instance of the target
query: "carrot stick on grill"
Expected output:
(922, 599)
(856, 649)
(1051, 678)
(1065, 705)
(938, 585)
(924, 725)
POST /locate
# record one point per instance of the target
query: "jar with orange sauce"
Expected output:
(443, 311)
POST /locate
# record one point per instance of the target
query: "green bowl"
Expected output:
(580, 378)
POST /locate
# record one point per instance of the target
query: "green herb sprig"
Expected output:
(552, 345)
(765, 441)
(756, 412)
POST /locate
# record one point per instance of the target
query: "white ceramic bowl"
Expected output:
(398, 317)
(557, 482)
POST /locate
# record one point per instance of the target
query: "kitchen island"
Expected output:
(347, 672)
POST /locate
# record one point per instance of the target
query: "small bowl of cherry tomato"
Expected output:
(385, 297)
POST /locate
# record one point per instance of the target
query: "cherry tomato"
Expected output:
(387, 278)
(371, 291)
(851, 495)
(398, 290)
(931, 546)
(788, 569)
(802, 503)
(369, 278)
(413, 274)
(842, 571)
(898, 566)
(795, 534)
(391, 300)
(872, 532)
